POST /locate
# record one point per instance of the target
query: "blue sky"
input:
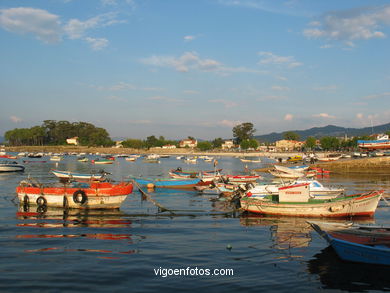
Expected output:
(197, 68)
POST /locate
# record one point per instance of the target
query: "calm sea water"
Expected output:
(122, 250)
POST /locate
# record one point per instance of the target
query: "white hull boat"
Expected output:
(8, 166)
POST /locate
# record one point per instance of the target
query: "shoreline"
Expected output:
(374, 165)
(177, 151)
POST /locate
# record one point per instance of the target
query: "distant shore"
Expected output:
(177, 151)
(376, 165)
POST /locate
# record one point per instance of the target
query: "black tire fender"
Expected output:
(41, 201)
(79, 196)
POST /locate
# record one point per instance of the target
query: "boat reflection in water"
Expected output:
(291, 236)
(286, 232)
(93, 224)
(348, 276)
(58, 217)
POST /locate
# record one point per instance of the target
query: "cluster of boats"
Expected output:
(302, 197)
(297, 194)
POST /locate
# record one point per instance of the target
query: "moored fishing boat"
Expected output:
(247, 160)
(55, 158)
(131, 159)
(356, 243)
(382, 142)
(101, 175)
(296, 158)
(329, 158)
(238, 179)
(179, 173)
(102, 161)
(11, 166)
(82, 159)
(96, 195)
(217, 188)
(316, 189)
(290, 173)
(296, 201)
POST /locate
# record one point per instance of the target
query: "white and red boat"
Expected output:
(382, 142)
(68, 175)
(95, 195)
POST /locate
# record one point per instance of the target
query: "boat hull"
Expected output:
(80, 176)
(355, 252)
(374, 144)
(97, 196)
(360, 205)
(363, 244)
(12, 168)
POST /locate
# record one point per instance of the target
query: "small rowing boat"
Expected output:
(11, 166)
(356, 243)
(79, 176)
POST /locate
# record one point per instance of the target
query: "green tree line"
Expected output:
(53, 132)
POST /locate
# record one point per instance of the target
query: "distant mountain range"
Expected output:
(330, 130)
(1, 139)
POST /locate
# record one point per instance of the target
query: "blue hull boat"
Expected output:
(350, 251)
(357, 243)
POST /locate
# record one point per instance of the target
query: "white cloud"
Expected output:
(362, 24)
(43, 25)
(279, 7)
(280, 88)
(109, 2)
(377, 96)
(97, 43)
(226, 103)
(190, 92)
(192, 61)
(77, 29)
(48, 28)
(164, 99)
(326, 46)
(288, 117)
(324, 115)
(271, 58)
(187, 61)
(272, 98)
(229, 123)
(15, 119)
(331, 87)
(141, 121)
(189, 38)
(281, 78)
(359, 116)
(122, 86)
(116, 98)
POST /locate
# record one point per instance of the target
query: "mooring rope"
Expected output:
(384, 199)
(148, 197)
